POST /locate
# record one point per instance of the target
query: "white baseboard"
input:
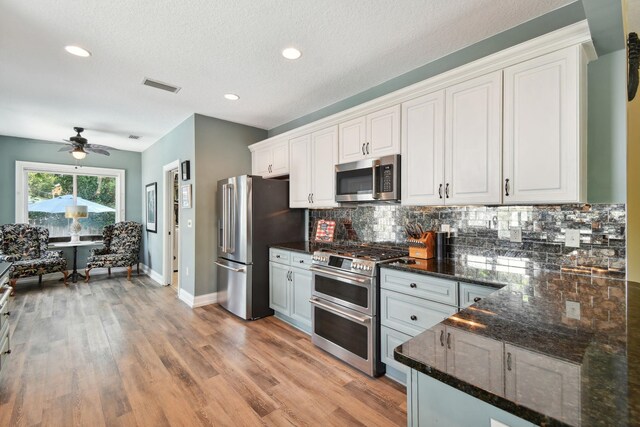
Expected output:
(155, 276)
(198, 301)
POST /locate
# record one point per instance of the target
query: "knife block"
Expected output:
(424, 247)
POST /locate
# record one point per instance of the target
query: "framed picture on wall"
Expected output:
(186, 196)
(151, 199)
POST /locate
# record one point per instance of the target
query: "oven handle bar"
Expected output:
(360, 319)
(332, 273)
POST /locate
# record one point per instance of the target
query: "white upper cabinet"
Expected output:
(300, 172)
(271, 160)
(374, 135)
(423, 150)
(324, 158)
(312, 176)
(543, 148)
(473, 148)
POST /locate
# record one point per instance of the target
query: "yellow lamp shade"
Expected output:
(76, 212)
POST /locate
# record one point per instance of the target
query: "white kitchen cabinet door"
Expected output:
(476, 360)
(300, 295)
(423, 150)
(352, 137)
(542, 122)
(324, 156)
(280, 159)
(261, 161)
(473, 148)
(543, 383)
(279, 288)
(383, 132)
(300, 175)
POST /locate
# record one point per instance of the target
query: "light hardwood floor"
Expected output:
(114, 352)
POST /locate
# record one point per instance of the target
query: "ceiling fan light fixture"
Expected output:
(77, 51)
(78, 153)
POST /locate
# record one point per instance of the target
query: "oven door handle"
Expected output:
(359, 319)
(335, 274)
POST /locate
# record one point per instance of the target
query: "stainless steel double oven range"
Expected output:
(346, 301)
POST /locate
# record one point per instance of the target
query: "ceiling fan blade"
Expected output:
(101, 147)
(97, 151)
(66, 148)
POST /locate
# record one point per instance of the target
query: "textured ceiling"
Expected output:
(214, 47)
(633, 11)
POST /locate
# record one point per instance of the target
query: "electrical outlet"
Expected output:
(496, 423)
(573, 310)
(445, 227)
(515, 235)
(572, 238)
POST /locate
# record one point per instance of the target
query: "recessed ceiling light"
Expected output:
(77, 51)
(291, 53)
(231, 96)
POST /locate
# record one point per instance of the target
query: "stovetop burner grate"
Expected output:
(367, 252)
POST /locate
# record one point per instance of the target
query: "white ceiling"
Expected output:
(214, 47)
(633, 15)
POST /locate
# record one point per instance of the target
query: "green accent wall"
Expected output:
(14, 149)
(607, 129)
(217, 149)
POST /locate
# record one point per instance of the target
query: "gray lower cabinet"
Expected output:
(5, 339)
(290, 287)
(527, 379)
(410, 304)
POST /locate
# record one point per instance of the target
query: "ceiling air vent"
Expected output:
(159, 85)
(134, 136)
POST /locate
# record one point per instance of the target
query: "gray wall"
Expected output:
(221, 152)
(14, 149)
(179, 144)
(607, 136)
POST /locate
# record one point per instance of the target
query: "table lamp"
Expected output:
(75, 212)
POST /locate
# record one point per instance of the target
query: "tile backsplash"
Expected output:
(483, 231)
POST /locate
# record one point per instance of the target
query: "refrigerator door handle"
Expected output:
(225, 213)
(231, 220)
(237, 270)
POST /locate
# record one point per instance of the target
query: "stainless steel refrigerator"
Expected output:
(253, 213)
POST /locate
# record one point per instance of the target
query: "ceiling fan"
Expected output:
(78, 146)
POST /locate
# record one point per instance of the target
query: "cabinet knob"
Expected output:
(277, 256)
(8, 313)
(414, 317)
(412, 285)
(301, 261)
(8, 351)
(476, 299)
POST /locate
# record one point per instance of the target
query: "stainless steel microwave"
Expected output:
(369, 180)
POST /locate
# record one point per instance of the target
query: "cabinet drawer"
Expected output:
(411, 315)
(279, 255)
(4, 308)
(420, 285)
(300, 260)
(389, 340)
(470, 294)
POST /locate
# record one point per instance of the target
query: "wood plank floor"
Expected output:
(129, 353)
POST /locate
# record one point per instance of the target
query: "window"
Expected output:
(43, 190)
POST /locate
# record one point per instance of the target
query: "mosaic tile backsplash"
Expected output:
(483, 231)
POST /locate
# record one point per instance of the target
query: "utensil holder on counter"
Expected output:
(424, 247)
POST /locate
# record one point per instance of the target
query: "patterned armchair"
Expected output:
(26, 247)
(121, 248)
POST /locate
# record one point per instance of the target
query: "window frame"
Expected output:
(22, 181)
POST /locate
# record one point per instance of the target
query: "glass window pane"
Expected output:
(48, 194)
(99, 194)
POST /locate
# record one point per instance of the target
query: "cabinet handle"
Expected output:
(440, 191)
(476, 299)
(508, 361)
(446, 190)
(449, 340)
(311, 197)
(367, 148)
(8, 313)
(442, 338)
(8, 351)
(363, 153)
(506, 187)
(277, 256)
(301, 261)
(414, 317)
(412, 285)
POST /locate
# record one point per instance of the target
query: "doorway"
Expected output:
(171, 226)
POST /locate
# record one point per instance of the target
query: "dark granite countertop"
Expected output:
(304, 247)
(530, 313)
